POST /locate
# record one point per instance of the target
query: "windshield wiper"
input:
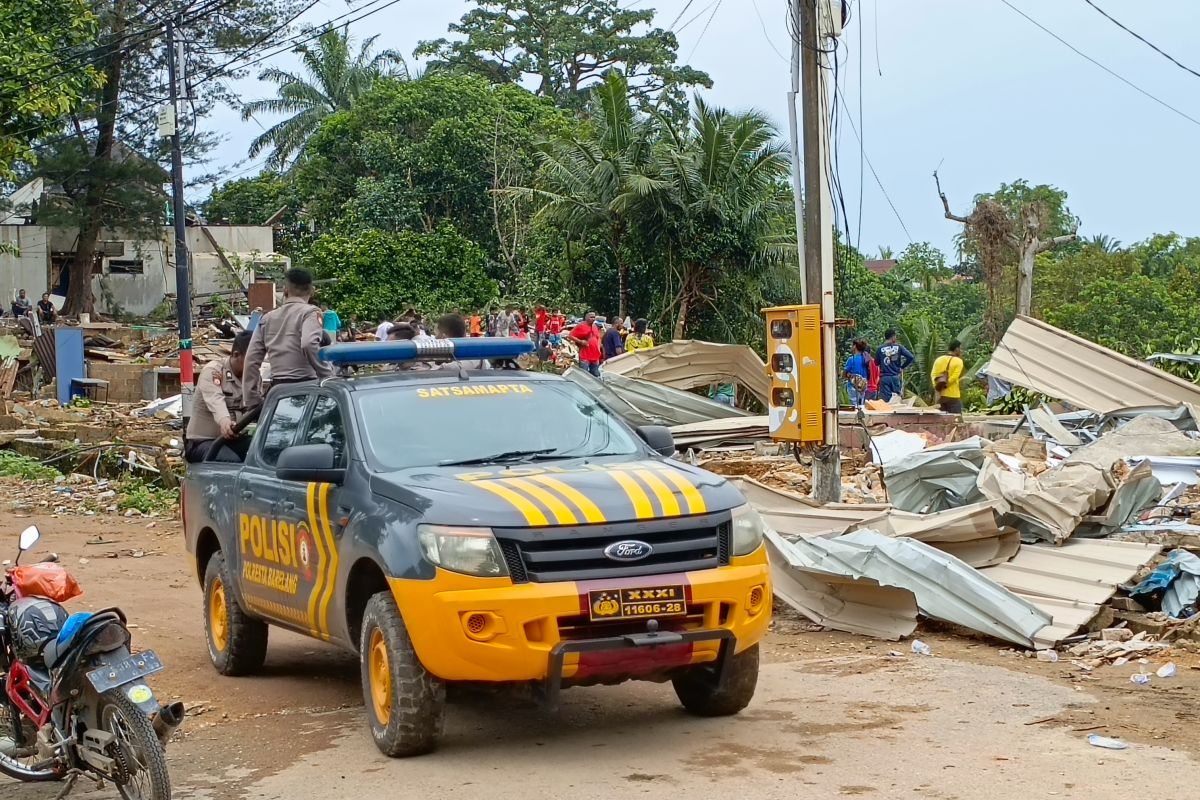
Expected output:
(508, 455)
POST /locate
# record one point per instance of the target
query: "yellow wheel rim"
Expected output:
(380, 677)
(218, 617)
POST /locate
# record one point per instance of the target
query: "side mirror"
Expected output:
(309, 463)
(29, 538)
(659, 438)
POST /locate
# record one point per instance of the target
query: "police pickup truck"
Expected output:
(492, 526)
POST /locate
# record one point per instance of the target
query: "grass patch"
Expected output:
(15, 465)
(135, 493)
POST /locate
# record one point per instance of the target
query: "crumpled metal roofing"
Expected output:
(687, 364)
(641, 402)
(1059, 364)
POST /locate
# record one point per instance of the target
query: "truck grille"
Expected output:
(576, 553)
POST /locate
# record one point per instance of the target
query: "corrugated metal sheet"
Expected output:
(1048, 360)
(1071, 582)
(687, 364)
(793, 515)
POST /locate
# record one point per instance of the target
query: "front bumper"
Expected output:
(540, 631)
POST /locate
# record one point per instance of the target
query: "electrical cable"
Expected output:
(711, 17)
(1143, 39)
(1116, 75)
(879, 183)
(679, 16)
(763, 24)
(861, 132)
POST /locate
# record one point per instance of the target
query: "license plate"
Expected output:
(654, 601)
(131, 669)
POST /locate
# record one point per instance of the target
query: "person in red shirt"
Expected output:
(587, 339)
(554, 330)
(541, 321)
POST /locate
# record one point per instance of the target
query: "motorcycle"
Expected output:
(73, 697)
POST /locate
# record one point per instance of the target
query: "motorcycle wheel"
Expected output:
(17, 753)
(138, 752)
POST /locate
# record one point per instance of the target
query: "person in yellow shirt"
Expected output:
(639, 339)
(947, 378)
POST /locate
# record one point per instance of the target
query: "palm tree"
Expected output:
(1104, 243)
(726, 177)
(334, 79)
(596, 180)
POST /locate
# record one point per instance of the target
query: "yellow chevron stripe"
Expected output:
(270, 608)
(331, 575)
(666, 498)
(637, 495)
(590, 511)
(695, 500)
(562, 514)
(533, 514)
(314, 530)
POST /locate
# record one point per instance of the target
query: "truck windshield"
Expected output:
(426, 426)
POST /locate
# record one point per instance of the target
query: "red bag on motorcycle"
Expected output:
(48, 580)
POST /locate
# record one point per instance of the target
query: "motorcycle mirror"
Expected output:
(29, 537)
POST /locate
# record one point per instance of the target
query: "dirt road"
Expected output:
(834, 716)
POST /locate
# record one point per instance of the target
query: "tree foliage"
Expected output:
(41, 78)
(563, 47)
(334, 78)
(379, 273)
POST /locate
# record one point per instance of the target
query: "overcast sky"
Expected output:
(969, 85)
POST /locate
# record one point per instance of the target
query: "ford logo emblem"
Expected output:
(629, 550)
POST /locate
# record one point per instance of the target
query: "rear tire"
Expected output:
(237, 643)
(701, 694)
(405, 704)
(147, 761)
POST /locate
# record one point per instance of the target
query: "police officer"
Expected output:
(289, 337)
(219, 389)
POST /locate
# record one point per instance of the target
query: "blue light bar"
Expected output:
(394, 352)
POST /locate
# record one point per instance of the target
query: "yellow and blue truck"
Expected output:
(483, 526)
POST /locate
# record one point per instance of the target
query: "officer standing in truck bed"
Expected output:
(289, 338)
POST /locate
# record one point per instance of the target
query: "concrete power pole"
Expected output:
(794, 133)
(817, 24)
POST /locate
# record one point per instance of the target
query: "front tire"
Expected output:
(141, 755)
(405, 704)
(237, 643)
(701, 694)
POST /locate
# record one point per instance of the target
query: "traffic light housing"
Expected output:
(794, 411)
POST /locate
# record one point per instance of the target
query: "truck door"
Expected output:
(324, 425)
(277, 556)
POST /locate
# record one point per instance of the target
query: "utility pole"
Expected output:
(794, 134)
(183, 277)
(815, 40)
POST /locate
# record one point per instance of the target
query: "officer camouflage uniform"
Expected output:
(289, 338)
(219, 396)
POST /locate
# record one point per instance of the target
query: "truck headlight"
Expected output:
(748, 530)
(471, 551)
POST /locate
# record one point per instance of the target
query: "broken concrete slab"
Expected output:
(1058, 364)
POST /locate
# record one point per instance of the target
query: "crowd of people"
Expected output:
(594, 338)
(879, 374)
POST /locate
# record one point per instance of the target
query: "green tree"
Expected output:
(923, 264)
(108, 148)
(378, 274)
(725, 188)
(595, 181)
(334, 78)
(250, 201)
(44, 71)
(566, 46)
(411, 154)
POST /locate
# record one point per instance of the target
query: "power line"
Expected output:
(1119, 77)
(716, 8)
(875, 174)
(1142, 39)
(763, 24)
(679, 16)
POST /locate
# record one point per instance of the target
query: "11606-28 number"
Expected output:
(637, 609)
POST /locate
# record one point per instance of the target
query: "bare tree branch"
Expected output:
(1057, 241)
(946, 203)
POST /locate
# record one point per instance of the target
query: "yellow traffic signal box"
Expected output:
(794, 410)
